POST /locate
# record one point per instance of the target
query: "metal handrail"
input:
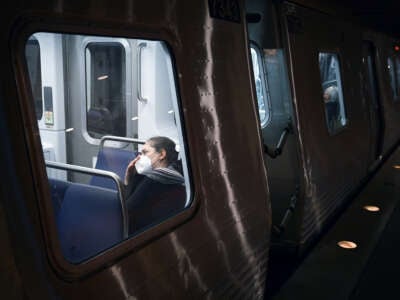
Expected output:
(281, 143)
(120, 139)
(91, 171)
(279, 229)
(139, 74)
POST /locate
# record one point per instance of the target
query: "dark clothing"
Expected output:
(149, 201)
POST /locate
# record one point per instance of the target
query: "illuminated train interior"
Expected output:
(222, 149)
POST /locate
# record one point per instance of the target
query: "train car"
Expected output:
(260, 119)
(344, 108)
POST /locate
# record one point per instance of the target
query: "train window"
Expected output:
(394, 74)
(105, 193)
(32, 50)
(260, 81)
(105, 75)
(332, 93)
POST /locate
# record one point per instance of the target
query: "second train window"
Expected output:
(332, 92)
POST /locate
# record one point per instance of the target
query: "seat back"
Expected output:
(57, 191)
(114, 160)
(89, 221)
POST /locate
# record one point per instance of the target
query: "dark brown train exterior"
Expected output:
(278, 111)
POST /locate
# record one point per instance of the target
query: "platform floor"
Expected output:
(372, 269)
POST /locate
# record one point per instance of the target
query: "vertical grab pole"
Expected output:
(139, 73)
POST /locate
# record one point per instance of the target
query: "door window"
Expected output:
(105, 89)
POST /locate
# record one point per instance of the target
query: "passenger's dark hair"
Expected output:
(162, 142)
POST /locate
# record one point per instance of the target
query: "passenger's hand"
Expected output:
(130, 169)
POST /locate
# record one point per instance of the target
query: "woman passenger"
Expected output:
(154, 187)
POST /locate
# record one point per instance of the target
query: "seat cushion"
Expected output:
(89, 221)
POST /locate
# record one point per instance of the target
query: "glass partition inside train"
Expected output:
(111, 131)
(32, 51)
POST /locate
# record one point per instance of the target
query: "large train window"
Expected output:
(105, 89)
(394, 74)
(332, 93)
(260, 81)
(32, 50)
(107, 192)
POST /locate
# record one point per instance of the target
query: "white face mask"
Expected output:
(143, 164)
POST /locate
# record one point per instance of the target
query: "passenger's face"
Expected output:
(326, 96)
(151, 153)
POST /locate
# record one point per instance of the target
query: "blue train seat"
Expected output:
(89, 219)
(113, 160)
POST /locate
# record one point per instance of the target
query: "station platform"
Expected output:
(371, 224)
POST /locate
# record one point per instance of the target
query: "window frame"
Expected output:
(340, 73)
(47, 220)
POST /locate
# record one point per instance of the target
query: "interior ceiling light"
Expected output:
(102, 77)
(396, 167)
(347, 244)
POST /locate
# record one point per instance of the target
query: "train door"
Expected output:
(276, 118)
(371, 93)
(99, 93)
